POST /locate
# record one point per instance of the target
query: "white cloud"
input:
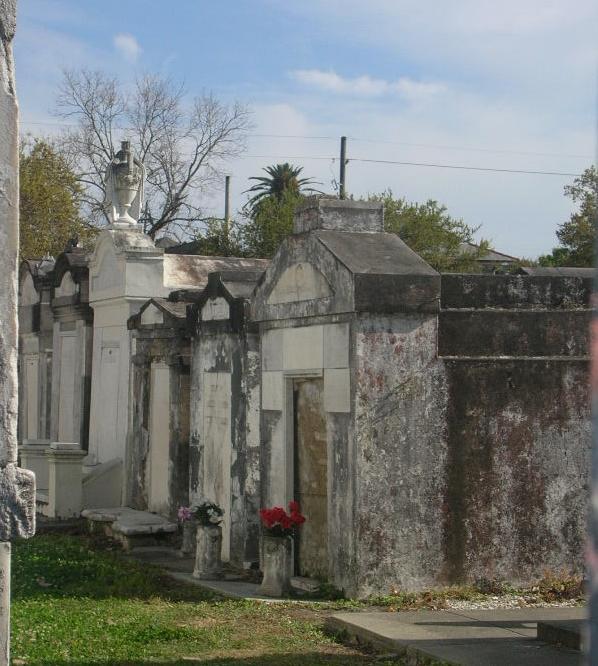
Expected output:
(366, 86)
(128, 46)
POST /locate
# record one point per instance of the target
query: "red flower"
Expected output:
(279, 521)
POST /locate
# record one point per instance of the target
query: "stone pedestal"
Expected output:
(208, 563)
(276, 563)
(189, 545)
(65, 490)
(33, 457)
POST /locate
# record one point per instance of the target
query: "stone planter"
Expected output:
(208, 565)
(276, 563)
(189, 544)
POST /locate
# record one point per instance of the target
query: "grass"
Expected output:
(75, 604)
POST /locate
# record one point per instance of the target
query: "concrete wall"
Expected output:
(518, 425)
(473, 435)
(400, 404)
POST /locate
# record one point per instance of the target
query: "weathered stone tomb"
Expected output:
(35, 350)
(225, 394)
(435, 430)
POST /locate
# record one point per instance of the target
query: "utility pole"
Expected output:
(342, 190)
(226, 208)
(227, 200)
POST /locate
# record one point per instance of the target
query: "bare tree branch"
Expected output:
(184, 146)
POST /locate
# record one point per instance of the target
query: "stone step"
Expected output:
(568, 633)
(303, 584)
(132, 528)
(461, 637)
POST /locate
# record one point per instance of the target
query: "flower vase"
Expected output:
(208, 562)
(189, 538)
(276, 563)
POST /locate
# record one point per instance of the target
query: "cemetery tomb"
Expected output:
(224, 443)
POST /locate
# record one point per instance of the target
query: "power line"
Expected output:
(426, 145)
(364, 140)
(433, 165)
(468, 168)
(419, 164)
(470, 149)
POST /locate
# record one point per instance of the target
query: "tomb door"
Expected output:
(218, 447)
(32, 394)
(66, 399)
(311, 477)
(159, 455)
(108, 402)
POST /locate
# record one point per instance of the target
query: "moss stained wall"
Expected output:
(400, 406)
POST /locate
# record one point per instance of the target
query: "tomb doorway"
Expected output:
(311, 477)
(158, 495)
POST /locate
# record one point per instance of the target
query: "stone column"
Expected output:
(17, 487)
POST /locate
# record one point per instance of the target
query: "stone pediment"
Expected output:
(161, 312)
(326, 271)
(151, 315)
(215, 309)
(300, 282)
(28, 293)
(304, 279)
(67, 286)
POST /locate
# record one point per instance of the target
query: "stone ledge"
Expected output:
(568, 633)
(130, 522)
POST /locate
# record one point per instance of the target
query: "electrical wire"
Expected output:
(364, 140)
(434, 165)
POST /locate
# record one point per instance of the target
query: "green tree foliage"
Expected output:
(221, 239)
(577, 234)
(429, 230)
(49, 201)
(281, 178)
(268, 223)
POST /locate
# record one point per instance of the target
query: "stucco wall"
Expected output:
(517, 468)
(401, 452)
(518, 425)
(473, 435)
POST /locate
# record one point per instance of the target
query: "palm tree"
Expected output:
(281, 178)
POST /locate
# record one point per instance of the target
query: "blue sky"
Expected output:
(457, 82)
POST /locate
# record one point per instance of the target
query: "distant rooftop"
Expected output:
(492, 256)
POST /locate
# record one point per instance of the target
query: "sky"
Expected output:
(495, 85)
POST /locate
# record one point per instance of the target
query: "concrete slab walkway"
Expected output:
(464, 637)
(231, 586)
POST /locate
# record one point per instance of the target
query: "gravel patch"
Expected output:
(510, 601)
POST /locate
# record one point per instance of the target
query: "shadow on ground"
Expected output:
(309, 659)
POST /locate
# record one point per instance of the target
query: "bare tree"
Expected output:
(184, 146)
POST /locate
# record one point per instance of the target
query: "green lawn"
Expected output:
(75, 604)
